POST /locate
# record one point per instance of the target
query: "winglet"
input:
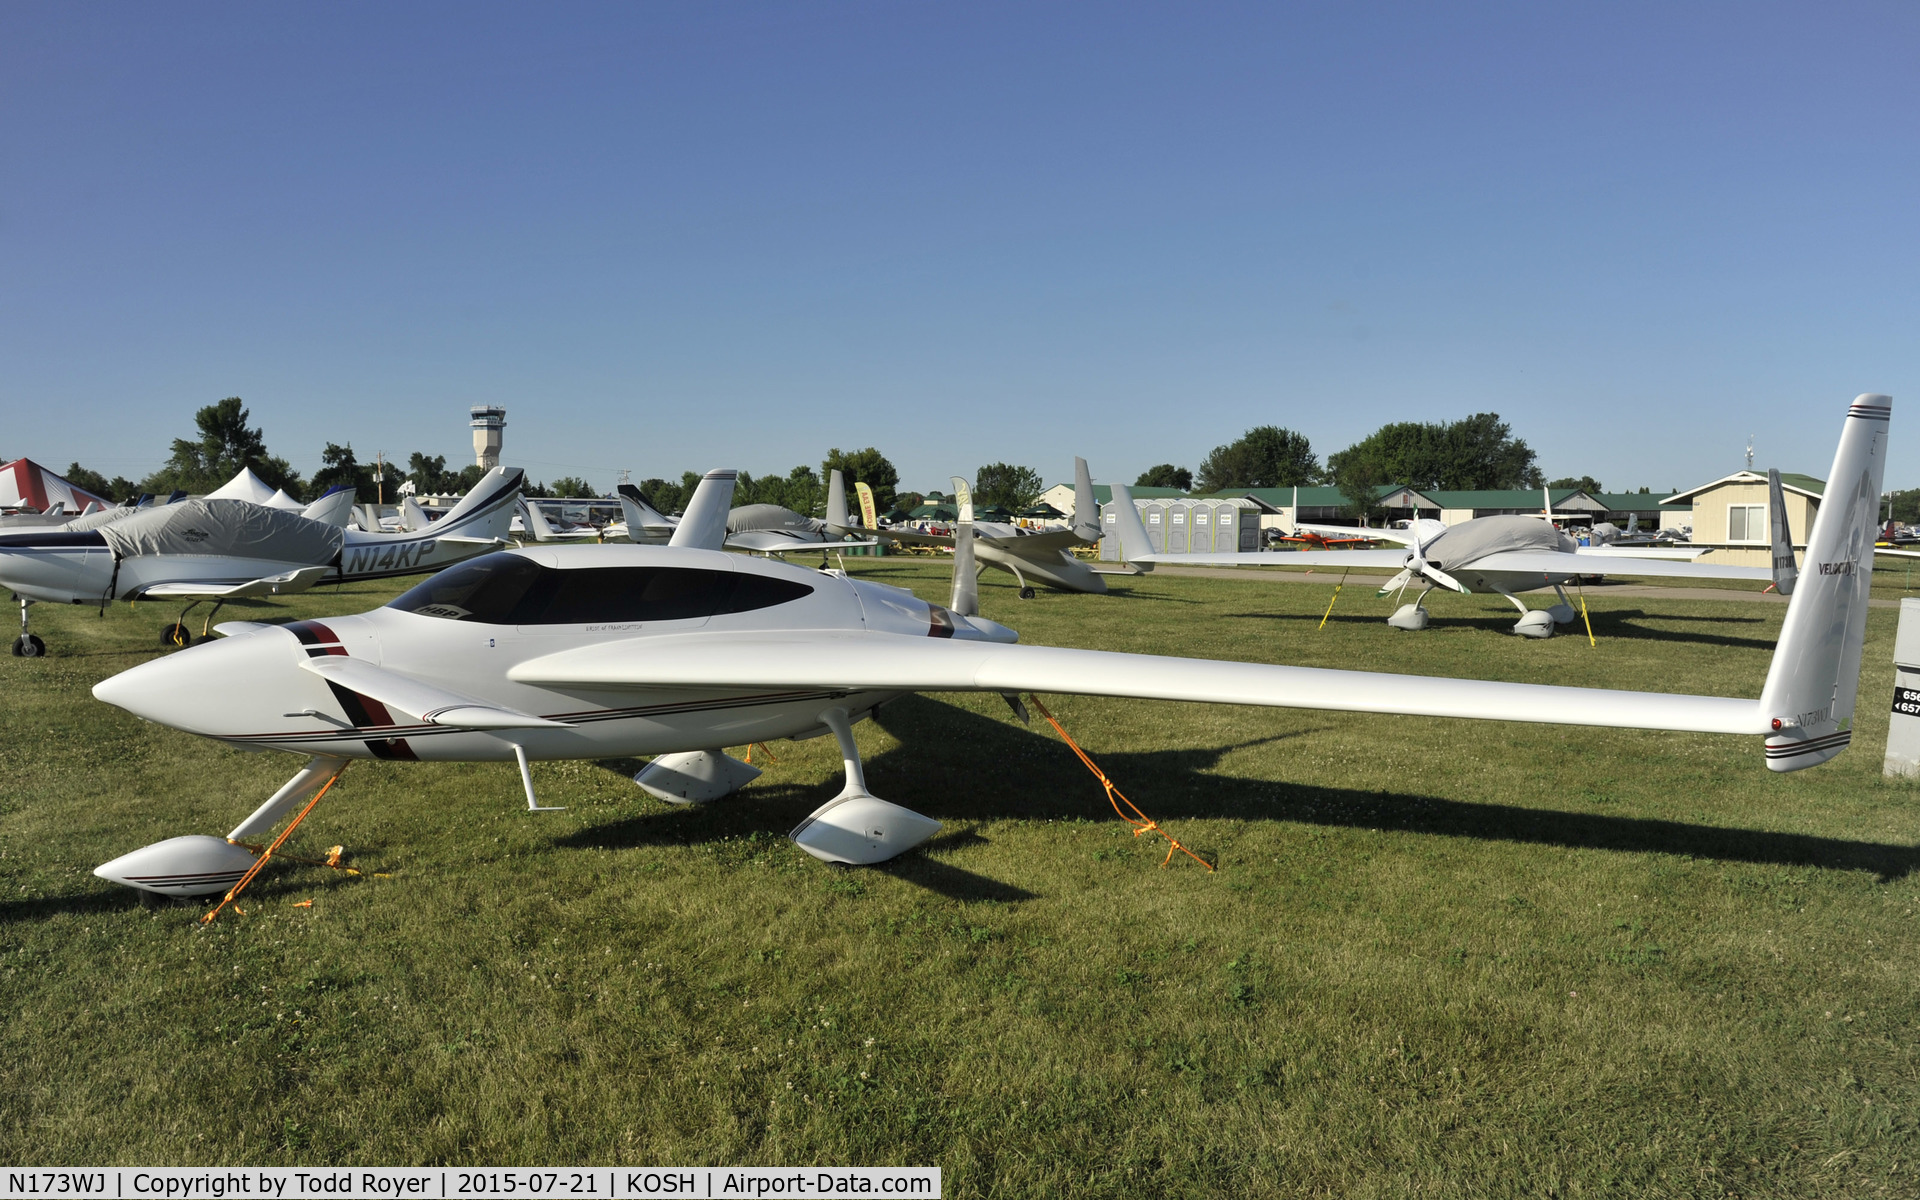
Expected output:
(966, 580)
(704, 526)
(1785, 571)
(1815, 678)
(1134, 546)
(1086, 513)
(837, 503)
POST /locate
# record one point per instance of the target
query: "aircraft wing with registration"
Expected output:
(272, 585)
(876, 662)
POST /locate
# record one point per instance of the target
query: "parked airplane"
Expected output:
(1036, 554)
(1504, 554)
(569, 653)
(224, 550)
(533, 521)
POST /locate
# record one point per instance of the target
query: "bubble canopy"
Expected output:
(511, 589)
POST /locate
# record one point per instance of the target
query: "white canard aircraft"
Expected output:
(1038, 554)
(224, 550)
(569, 653)
(1503, 554)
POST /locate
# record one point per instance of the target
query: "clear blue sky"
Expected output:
(673, 236)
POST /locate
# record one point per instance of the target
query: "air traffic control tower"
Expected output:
(488, 422)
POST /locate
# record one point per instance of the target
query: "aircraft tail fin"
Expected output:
(1815, 677)
(535, 521)
(415, 516)
(1785, 571)
(704, 525)
(837, 504)
(487, 510)
(1086, 513)
(640, 515)
(1633, 524)
(334, 508)
(1133, 535)
(966, 576)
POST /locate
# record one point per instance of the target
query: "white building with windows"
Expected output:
(1730, 515)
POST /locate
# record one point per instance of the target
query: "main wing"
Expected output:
(1387, 559)
(1052, 539)
(886, 662)
(1550, 562)
(272, 585)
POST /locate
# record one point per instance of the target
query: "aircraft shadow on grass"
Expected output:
(964, 768)
(1614, 624)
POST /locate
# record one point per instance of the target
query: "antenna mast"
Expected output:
(1749, 452)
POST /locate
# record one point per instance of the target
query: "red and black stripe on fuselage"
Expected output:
(363, 711)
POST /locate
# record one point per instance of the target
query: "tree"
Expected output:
(429, 475)
(1166, 475)
(339, 468)
(570, 487)
(1475, 453)
(1265, 456)
(1006, 485)
(867, 466)
(1586, 483)
(117, 488)
(1359, 484)
(226, 446)
(660, 495)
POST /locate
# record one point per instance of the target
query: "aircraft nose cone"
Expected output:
(215, 689)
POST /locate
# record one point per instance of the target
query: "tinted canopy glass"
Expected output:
(508, 589)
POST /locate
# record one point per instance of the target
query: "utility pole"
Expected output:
(380, 474)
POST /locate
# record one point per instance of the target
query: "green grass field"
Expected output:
(1438, 958)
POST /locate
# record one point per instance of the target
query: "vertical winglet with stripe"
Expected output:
(1811, 687)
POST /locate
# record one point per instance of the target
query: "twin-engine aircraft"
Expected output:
(679, 651)
(1504, 554)
(224, 550)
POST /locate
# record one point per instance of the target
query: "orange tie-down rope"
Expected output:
(333, 856)
(1140, 821)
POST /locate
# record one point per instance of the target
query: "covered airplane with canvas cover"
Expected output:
(680, 651)
(224, 550)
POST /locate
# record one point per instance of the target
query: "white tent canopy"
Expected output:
(284, 502)
(244, 486)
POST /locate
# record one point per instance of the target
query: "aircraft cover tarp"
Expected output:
(227, 528)
(1471, 541)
